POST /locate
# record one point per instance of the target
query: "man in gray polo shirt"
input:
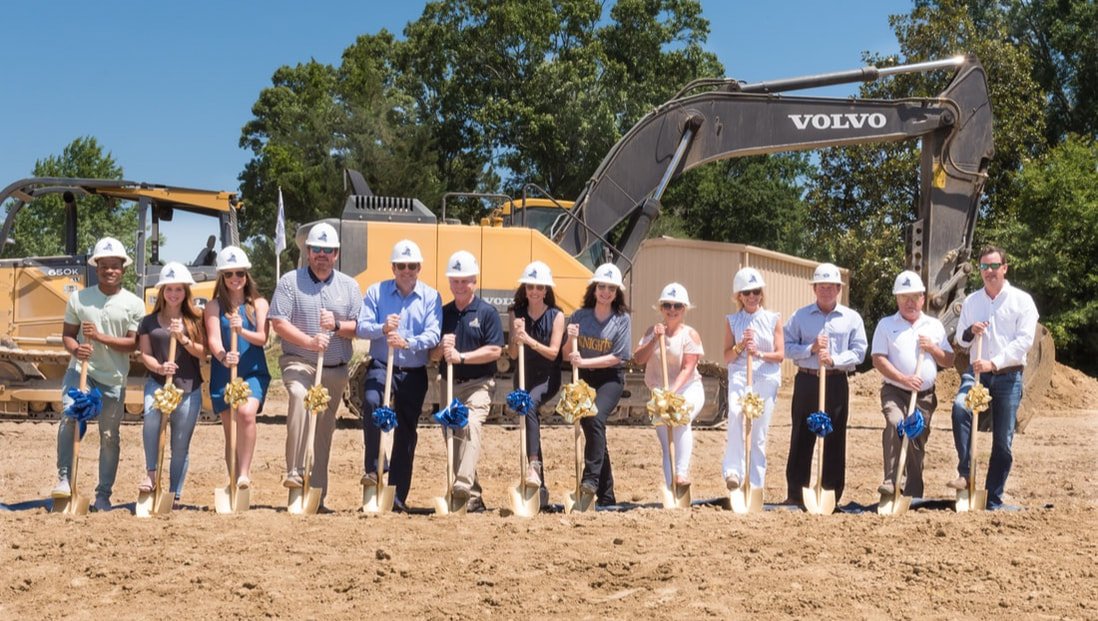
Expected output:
(314, 309)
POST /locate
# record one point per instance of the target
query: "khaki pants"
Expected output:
(894, 403)
(298, 375)
(477, 396)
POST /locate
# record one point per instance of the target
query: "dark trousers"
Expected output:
(798, 471)
(409, 389)
(539, 394)
(608, 385)
(1006, 395)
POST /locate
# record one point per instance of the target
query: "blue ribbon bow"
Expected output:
(912, 426)
(520, 402)
(820, 423)
(454, 416)
(85, 406)
(385, 418)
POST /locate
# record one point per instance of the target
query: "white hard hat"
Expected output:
(675, 292)
(747, 279)
(826, 273)
(908, 282)
(323, 235)
(175, 273)
(232, 258)
(461, 264)
(109, 247)
(608, 273)
(537, 273)
(406, 251)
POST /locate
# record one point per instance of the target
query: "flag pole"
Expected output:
(280, 235)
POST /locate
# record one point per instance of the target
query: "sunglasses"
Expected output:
(990, 266)
(237, 274)
(752, 292)
(400, 267)
(607, 287)
(535, 287)
(672, 305)
(319, 250)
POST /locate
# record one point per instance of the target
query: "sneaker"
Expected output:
(369, 479)
(62, 489)
(960, 483)
(459, 496)
(243, 482)
(732, 482)
(292, 480)
(886, 489)
(101, 504)
(476, 505)
(533, 474)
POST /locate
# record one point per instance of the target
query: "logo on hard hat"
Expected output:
(170, 274)
(323, 236)
(753, 279)
(907, 282)
(232, 258)
(457, 265)
(609, 273)
(108, 246)
(407, 251)
(672, 293)
(533, 273)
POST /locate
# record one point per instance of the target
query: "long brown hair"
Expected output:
(522, 303)
(192, 317)
(618, 306)
(224, 299)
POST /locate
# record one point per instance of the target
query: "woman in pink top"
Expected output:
(684, 350)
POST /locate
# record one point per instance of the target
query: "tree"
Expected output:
(38, 229)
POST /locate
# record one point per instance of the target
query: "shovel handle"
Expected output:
(83, 376)
(747, 438)
(973, 432)
(389, 376)
(233, 349)
(822, 372)
(663, 361)
(575, 369)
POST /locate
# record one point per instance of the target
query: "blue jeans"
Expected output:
(108, 422)
(1006, 394)
(182, 422)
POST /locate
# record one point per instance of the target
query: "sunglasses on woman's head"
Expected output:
(237, 274)
(674, 305)
(752, 292)
(602, 286)
(535, 287)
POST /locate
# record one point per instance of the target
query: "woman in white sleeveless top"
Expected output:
(684, 350)
(758, 332)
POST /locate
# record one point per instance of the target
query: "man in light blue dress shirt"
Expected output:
(406, 315)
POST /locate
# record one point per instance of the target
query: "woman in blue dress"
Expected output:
(238, 307)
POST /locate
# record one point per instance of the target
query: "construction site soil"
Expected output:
(638, 562)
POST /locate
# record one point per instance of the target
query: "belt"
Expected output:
(483, 378)
(335, 366)
(1003, 371)
(816, 372)
(382, 364)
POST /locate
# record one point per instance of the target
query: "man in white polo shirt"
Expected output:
(1006, 319)
(900, 342)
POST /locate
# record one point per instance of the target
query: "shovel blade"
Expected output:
(60, 505)
(578, 502)
(525, 500)
(295, 502)
(746, 500)
(978, 501)
(243, 500)
(311, 502)
(79, 506)
(442, 506)
(163, 504)
(223, 499)
(675, 498)
(822, 504)
(893, 505)
(378, 501)
(145, 504)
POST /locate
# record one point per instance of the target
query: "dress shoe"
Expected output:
(886, 488)
(960, 483)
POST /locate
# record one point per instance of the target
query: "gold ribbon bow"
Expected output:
(237, 392)
(668, 408)
(317, 398)
(978, 399)
(577, 400)
(168, 398)
(751, 404)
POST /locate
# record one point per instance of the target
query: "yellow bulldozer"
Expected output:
(34, 290)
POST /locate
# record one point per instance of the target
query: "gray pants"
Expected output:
(477, 396)
(298, 375)
(894, 404)
(109, 420)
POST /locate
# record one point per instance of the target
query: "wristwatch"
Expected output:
(461, 357)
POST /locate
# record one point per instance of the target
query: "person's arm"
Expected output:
(1024, 334)
(211, 317)
(144, 344)
(731, 351)
(646, 347)
(69, 333)
(257, 337)
(689, 362)
(855, 355)
(291, 334)
(778, 354)
(432, 327)
(124, 344)
(796, 348)
(369, 324)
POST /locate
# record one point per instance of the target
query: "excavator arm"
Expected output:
(751, 119)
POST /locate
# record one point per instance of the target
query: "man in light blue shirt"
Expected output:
(828, 334)
(405, 315)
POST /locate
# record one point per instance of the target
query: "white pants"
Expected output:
(734, 450)
(694, 392)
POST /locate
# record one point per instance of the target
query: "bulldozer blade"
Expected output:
(978, 502)
(525, 500)
(146, 502)
(893, 504)
(823, 504)
(578, 502)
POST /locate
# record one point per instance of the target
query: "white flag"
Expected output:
(280, 226)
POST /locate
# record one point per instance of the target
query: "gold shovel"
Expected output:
(76, 503)
(444, 505)
(157, 501)
(378, 497)
(817, 500)
(525, 499)
(897, 503)
(973, 499)
(747, 499)
(230, 499)
(576, 500)
(305, 500)
(673, 497)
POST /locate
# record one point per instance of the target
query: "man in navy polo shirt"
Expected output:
(472, 341)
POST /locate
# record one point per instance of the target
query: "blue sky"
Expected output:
(166, 87)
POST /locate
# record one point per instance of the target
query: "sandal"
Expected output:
(145, 486)
(243, 482)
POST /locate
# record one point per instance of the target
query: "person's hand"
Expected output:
(168, 368)
(396, 341)
(576, 360)
(573, 330)
(659, 330)
(453, 356)
(518, 330)
(978, 328)
(392, 322)
(175, 328)
(83, 351)
(448, 340)
(824, 356)
(232, 358)
(91, 333)
(913, 382)
(327, 320)
(983, 366)
(320, 341)
(927, 344)
(236, 322)
(749, 344)
(820, 344)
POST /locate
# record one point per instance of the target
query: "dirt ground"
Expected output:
(644, 562)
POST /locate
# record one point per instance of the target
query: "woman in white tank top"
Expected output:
(758, 332)
(684, 350)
